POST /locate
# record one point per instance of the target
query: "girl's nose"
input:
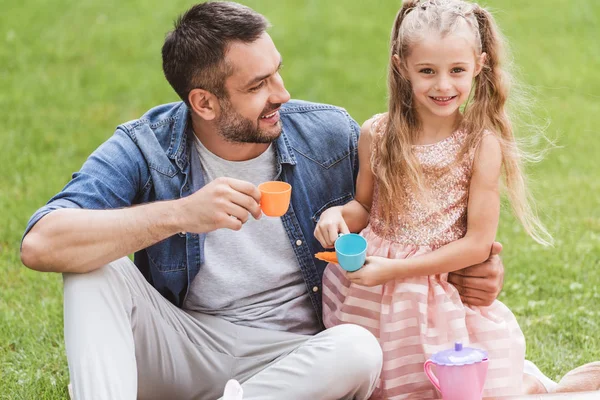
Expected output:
(442, 85)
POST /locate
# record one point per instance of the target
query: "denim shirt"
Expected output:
(151, 159)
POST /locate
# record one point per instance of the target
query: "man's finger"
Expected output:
(472, 292)
(238, 212)
(472, 283)
(229, 221)
(474, 301)
(247, 202)
(455, 279)
(244, 187)
(474, 271)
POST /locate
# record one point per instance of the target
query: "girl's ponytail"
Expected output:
(488, 111)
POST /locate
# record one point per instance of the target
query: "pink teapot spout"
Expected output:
(459, 373)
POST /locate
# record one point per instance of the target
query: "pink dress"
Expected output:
(416, 317)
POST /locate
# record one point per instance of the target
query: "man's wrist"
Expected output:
(172, 216)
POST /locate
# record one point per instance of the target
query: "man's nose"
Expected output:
(279, 94)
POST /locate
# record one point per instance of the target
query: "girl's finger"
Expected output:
(354, 275)
(342, 227)
(332, 234)
(324, 237)
(319, 237)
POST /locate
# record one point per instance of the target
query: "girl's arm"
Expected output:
(353, 216)
(474, 248)
(356, 212)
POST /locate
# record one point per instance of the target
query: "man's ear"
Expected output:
(204, 104)
(480, 63)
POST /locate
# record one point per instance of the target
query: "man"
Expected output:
(217, 291)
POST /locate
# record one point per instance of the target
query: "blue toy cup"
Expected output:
(351, 251)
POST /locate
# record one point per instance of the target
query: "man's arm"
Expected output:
(80, 240)
(93, 221)
(480, 285)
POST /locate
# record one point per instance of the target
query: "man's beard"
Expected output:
(236, 129)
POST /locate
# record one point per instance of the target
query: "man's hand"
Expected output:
(223, 203)
(330, 225)
(480, 285)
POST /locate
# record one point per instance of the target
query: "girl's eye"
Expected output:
(257, 87)
(427, 71)
(457, 70)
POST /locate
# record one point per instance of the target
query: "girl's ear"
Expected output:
(480, 61)
(398, 65)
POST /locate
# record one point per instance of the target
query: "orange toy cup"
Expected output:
(275, 197)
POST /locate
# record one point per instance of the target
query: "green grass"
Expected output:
(71, 71)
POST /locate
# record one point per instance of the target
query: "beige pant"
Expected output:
(125, 341)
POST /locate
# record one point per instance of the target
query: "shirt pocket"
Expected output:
(338, 201)
(169, 255)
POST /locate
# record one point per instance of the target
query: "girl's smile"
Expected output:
(443, 101)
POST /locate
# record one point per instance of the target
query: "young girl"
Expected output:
(427, 198)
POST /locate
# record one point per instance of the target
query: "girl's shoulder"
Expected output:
(375, 126)
(371, 131)
(487, 142)
(485, 137)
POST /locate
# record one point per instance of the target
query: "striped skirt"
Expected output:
(417, 317)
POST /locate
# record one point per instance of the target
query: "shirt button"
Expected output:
(315, 289)
(182, 234)
(298, 242)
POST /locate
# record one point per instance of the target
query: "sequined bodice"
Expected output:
(442, 217)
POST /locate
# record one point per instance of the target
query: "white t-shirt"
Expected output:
(251, 277)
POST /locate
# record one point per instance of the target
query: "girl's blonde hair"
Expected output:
(484, 110)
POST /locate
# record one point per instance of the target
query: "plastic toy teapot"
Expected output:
(459, 373)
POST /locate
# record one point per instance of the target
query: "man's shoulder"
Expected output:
(299, 107)
(317, 119)
(160, 128)
(161, 115)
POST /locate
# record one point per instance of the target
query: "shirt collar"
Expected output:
(180, 141)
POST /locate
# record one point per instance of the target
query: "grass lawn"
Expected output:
(71, 71)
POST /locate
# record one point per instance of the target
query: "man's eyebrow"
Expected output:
(261, 77)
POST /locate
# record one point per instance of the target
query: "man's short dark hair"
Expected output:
(193, 54)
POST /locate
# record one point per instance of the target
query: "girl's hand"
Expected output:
(330, 225)
(376, 271)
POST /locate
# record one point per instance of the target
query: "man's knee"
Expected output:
(358, 351)
(108, 278)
